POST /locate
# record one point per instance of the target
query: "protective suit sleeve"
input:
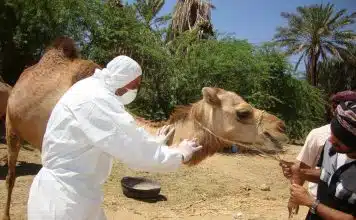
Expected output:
(112, 129)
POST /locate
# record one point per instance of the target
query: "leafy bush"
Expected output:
(260, 75)
(174, 72)
(27, 27)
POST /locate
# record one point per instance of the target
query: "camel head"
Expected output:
(222, 118)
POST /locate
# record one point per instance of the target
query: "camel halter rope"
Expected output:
(259, 123)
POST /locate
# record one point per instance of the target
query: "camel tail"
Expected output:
(67, 45)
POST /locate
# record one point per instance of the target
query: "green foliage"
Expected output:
(27, 27)
(173, 73)
(260, 75)
(299, 104)
(148, 10)
(338, 75)
(121, 33)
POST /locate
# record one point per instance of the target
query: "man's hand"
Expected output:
(286, 168)
(292, 172)
(165, 133)
(300, 196)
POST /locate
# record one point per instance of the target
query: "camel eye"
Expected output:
(243, 114)
(244, 111)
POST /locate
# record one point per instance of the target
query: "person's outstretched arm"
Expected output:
(109, 127)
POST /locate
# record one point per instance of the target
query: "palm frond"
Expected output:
(332, 50)
(148, 9)
(338, 15)
(299, 61)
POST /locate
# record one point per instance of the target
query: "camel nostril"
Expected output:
(281, 126)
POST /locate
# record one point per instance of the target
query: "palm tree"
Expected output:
(191, 15)
(149, 9)
(317, 32)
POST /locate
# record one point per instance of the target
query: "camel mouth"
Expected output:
(278, 144)
(275, 142)
(272, 144)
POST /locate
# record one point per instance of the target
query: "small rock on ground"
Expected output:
(237, 215)
(264, 187)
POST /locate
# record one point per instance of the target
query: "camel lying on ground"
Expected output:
(219, 118)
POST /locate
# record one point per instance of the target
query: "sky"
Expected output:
(257, 20)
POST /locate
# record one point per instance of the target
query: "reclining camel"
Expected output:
(218, 118)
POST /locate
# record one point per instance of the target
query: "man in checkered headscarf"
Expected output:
(343, 127)
(336, 197)
(343, 96)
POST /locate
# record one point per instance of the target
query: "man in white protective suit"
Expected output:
(87, 129)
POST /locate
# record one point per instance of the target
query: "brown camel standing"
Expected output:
(34, 96)
(219, 118)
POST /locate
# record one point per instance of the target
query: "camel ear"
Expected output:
(210, 95)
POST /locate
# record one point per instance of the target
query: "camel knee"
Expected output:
(9, 132)
(11, 139)
(10, 180)
(13, 149)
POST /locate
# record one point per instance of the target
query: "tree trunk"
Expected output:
(313, 74)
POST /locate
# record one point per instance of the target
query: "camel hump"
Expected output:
(67, 45)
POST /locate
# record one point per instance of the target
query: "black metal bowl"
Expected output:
(140, 188)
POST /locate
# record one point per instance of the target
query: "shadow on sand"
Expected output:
(159, 198)
(22, 169)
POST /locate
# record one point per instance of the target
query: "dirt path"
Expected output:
(222, 187)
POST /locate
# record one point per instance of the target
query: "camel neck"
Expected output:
(187, 129)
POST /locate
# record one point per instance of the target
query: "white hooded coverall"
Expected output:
(87, 128)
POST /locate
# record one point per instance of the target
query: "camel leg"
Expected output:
(14, 144)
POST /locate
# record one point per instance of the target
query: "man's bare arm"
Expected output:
(311, 175)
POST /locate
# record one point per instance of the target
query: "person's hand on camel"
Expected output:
(165, 133)
(186, 147)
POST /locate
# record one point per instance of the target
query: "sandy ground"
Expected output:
(222, 187)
